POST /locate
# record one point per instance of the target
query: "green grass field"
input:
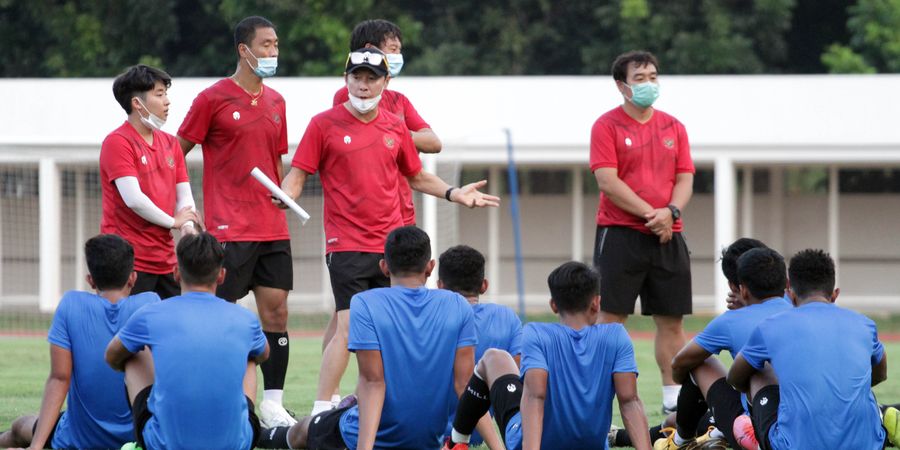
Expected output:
(25, 363)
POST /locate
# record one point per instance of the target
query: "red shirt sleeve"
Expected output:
(196, 123)
(684, 163)
(603, 146)
(181, 175)
(283, 138)
(408, 157)
(413, 120)
(118, 158)
(309, 151)
(341, 96)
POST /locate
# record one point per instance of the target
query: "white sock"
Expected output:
(320, 406)
(335, 399)
(275, 395)
(678, 440)
(458, 438)
(716, 434)
(670, 395)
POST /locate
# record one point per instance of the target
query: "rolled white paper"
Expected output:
(279, 194)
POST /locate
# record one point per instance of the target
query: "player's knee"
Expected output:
(493, 358)
(21, 429)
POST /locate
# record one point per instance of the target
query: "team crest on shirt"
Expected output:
(170, 161)
(389, 141)
(669, 142)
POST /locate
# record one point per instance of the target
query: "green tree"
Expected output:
(874, 43)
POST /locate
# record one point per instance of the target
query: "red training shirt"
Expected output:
(647, 156)
(158, 168)
(237, 136)
(359, 164)
(401, 107)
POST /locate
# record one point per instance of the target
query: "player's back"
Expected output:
(97, 415)
(200, 346)
(580, 390)
(731, 330)
(418, 332)
(823, 356)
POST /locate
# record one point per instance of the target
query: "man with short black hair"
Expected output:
(822, 362)
(199, 390)
(144, 183)
(641, 159)
(360, 153)
(241, 123)
(570, 372)
(393, 330)
(98, 415)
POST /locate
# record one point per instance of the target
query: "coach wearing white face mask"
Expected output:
(641, 159)
(360, 153)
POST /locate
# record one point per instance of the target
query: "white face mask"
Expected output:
(364, 105)
(152, 121)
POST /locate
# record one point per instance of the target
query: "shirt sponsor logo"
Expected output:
(669, 142)
(388, 141)
(347, 139)
(171, 162)
(236, 115)
(331, 241)
(144, 159)
(222, 227)
(628, 141)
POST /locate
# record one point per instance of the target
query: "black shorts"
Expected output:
(252, 264)
(163, 284)
(352, 273)
(325, 431)
(49, 442)
(142, 414)
(764, 414)
(506, 396)
(632, 263)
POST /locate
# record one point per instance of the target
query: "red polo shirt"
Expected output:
(359, 164)
(237, 136)
(158, 168)
(401, 107)
(647, 156)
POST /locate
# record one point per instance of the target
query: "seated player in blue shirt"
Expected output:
(570, 372)
(98, 415)
(824, 359)
(199, 390)
(412, 343)
(461, 270)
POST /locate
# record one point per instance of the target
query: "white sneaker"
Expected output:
(273, 415)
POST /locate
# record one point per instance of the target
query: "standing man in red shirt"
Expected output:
(145, 188)
(240, 122)
(642, 161)
(360, 151)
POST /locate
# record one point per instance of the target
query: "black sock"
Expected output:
(275, 368)
(655, 434)
(473, 403)
(622, 438)
(691, 408)
(725, 404)
(273, 438)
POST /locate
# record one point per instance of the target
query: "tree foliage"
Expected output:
(88, 38)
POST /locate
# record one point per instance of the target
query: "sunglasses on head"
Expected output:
(375, 59)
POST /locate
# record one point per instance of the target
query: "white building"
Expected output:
(799, 161)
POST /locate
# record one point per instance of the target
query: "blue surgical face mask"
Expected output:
(265, 67)
(644, 94)
(395, 63)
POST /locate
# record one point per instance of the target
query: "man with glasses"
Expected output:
(360, 152)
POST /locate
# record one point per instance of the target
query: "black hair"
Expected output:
(461, 269)
(734, 251)
(245, 30)
(200, 258)
(373, 32)
(762, 272)
(110, 260)
(811, 271)
(572, 286)
(137, 81)
(640, 58)
(407, 251)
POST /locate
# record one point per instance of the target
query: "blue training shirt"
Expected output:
(200, 346)
(580, 389)
(417, 332)
(731, 330)
(499, 327)
(823, 356)
(97, 414)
